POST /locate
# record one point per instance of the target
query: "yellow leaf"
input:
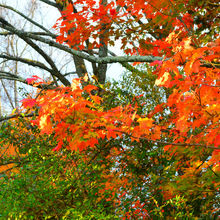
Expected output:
(145, 122)
(163, 79)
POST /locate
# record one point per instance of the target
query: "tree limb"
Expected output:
(27, 61)
(90, 58)
(11, 76)
(7, 94)
(16, 116)
(50, 3)
(55, 71)
(130, 67)
(168, 143)
(6, 33)
(27, 18)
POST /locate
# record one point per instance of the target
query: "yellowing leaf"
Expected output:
(163, 79)
(182, 125)
(45, 124)
(75, 84)
(86, 78)
(145, 122)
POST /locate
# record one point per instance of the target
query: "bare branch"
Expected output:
(90, 58)
(130, 67)
(11, 76)
(27, 18)
(50, 3)
(27, 61)
(21, 34)
(6, 33)
(70, 73)
(16, 116)
(7, 94)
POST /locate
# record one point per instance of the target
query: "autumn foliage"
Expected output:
(149, 161)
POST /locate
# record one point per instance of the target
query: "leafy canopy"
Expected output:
(145, 148)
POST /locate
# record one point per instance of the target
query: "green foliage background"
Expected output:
(45, 189)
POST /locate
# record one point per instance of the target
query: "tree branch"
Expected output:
(90, 58)
(7, 94)
(103, 50)
(27, 18)
(168, 143)
(50, 3)
(130, 67)
(16, 116)
(27, 61)
(11, 76)
(35, 33)
(24, 37)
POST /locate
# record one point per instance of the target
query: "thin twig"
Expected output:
(27, 18)
(16, 116)
(167, 143)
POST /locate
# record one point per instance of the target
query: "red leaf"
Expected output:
(33, 79)
(156, 62)
(112, 12)
(58, 147)
(167, 147)
(217, 141)
(89, 88)
(28, 103)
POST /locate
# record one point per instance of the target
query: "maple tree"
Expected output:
(145, 148)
